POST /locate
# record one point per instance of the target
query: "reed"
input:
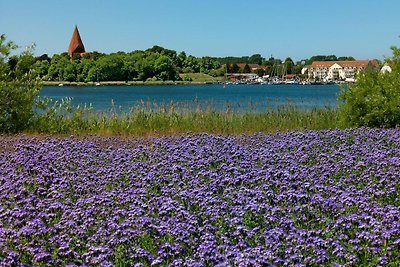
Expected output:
(155, 119)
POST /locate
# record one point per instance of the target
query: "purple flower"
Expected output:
(288, 198)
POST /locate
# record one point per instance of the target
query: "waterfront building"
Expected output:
(253, 67)
(339, 70)
(241, 77)
(386, 68)
(76, 45)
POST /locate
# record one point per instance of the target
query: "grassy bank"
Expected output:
(62, 119)
(200, 78)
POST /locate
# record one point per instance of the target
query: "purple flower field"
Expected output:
(310, 198)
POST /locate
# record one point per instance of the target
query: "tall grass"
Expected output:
(147, 119)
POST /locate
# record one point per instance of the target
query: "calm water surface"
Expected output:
(235, 97)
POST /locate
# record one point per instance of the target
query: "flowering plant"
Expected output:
(307, 198)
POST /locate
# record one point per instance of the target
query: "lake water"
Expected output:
(240, 98)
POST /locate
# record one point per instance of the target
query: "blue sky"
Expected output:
(364, 29)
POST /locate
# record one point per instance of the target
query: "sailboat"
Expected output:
(274, 74)
(226, 73)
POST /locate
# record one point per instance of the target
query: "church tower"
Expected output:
(76, 44)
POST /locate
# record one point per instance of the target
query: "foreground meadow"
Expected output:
(307, 198)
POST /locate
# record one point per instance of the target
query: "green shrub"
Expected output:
(187, 78)
(18, 89)
(374, 100)
(16, 104)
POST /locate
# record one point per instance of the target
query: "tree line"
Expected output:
(154, 64)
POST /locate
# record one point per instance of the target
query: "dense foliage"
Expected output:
(18, 88)
(374, 100)
(315, 198)
(254, 59)
(327, 58)
(156, 64)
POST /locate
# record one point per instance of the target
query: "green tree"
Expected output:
(25, 62)
(93, 74)
(207, 64)
(228, 68)
(181, 60)
(288, 66)
(57, 67)
(111, 68)
(297, 69)
(17, 92)
(374, 100)
(326, 58)
(191, 64)
(41, 68)
(256, 59)
(217, 72)
(259, 72)
(83, 69)
(69, 72)
(345, 58)
(132, 64)
(234, 68)
(145, 67)
(165, 69)
(246, 69)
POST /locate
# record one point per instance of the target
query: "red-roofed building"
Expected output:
(76, 45)
(253, 67)
(335, 70)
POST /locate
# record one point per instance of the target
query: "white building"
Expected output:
(386, 68)
(338, 70)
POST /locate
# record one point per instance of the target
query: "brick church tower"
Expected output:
(76, 44)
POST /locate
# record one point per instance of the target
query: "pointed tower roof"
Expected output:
(76, 44)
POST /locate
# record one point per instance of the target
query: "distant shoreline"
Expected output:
(121, 83)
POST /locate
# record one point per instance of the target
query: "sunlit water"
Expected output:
(240, 98)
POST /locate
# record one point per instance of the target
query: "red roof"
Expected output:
(344, 64)
(76, 44)
(252, 66)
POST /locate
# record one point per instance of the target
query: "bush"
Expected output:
(18, 90)
(374, 100)
(17, 98)
(187, 78)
